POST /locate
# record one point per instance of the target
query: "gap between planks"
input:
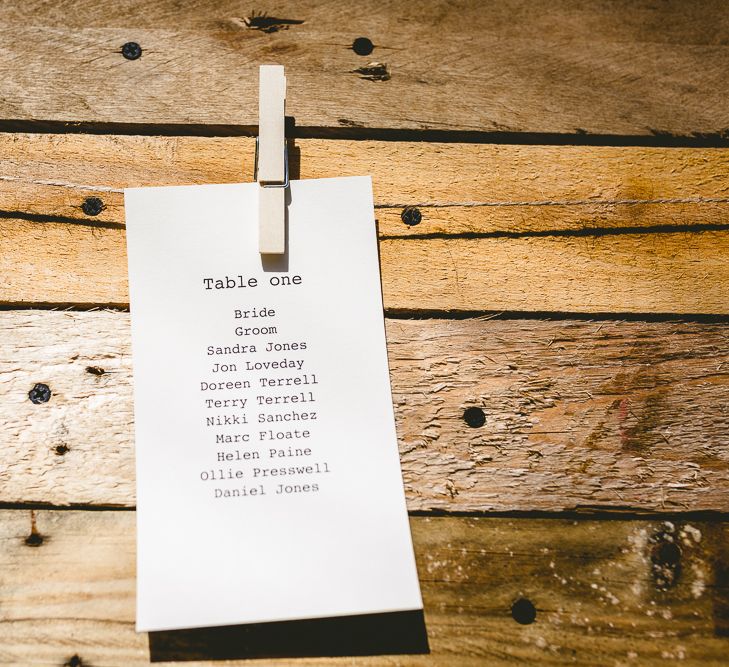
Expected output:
(421, 314)
(658, 140)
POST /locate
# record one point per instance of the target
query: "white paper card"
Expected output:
(268, 477)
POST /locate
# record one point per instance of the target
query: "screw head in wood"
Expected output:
(362, 46)
(523, 611)
(92, 206)
(474, 417)
(411, 216)
(34, 539)
(40, 393)
(131, 50)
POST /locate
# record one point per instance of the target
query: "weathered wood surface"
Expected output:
(568, 247)
(51, 175)
(605, 592)
(577, 415)
(626, 68)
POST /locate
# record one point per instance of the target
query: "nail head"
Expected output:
(474, 417)
(131, 50)
(40, 393)
(92, 206)
(411, 216)
(34, 539)
(523, 611)
(363, 46)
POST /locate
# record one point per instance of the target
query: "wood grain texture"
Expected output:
(577, 415)
(51, 175)
(582, 252)
(605, 592)
(627, 68)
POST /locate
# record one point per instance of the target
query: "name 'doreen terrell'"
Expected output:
(264, 382)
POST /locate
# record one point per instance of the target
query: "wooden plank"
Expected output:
(604, 592)
(61, 264)
(626, 68)
(679, 273)
(52, 175)
(575, 415)
(570, 223)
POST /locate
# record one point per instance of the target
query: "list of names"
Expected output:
(261, 412)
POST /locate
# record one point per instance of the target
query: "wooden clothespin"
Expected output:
(272, 169)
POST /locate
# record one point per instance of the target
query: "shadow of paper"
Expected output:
(370, 634)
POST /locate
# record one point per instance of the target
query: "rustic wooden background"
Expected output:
(557, 321)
